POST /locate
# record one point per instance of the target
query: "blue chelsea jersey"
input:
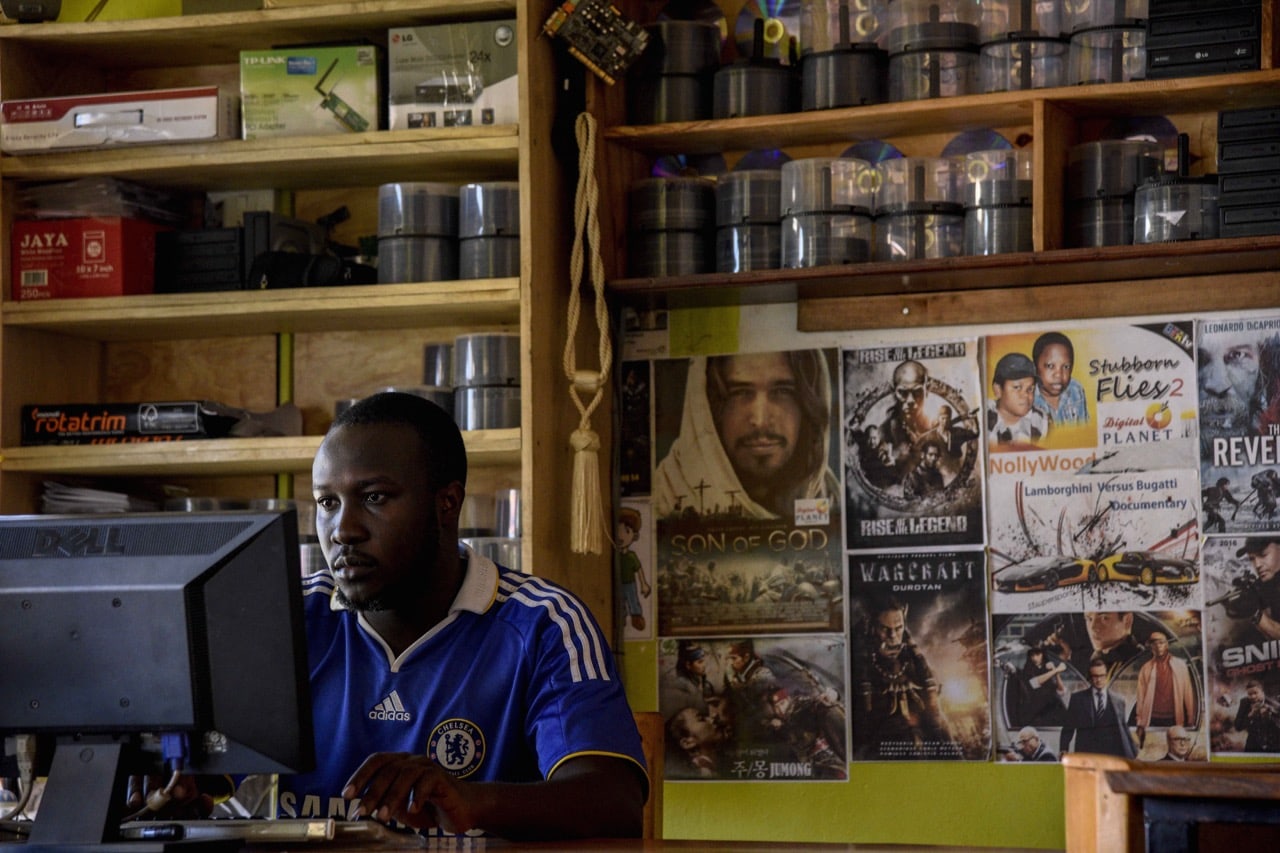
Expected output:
(515, 680)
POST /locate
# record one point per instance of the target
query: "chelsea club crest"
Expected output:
(457, 746)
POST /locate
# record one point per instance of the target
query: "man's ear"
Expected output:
(449, 502)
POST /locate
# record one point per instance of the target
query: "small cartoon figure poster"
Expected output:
(633, 540)
(913, 451)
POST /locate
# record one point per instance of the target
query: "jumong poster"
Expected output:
(1239, 384)
(1242, 632)
(1118, 682)
(755, 709)
(746, 499)
(1093, 486)
(919, 651)
(913, 450)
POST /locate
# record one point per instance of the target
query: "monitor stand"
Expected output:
(84, 802)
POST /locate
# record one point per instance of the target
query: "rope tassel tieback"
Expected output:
(588, 528)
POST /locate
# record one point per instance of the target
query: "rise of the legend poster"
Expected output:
(913, 449)
(918, 649)
(1117, 682)
(1238, 373)
(1242, 633)
(755, 708)
(746, 498)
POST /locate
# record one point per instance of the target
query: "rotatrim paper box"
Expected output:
(124, 423)
(85, 256)
(194, 114)
(304, 90)
(452, 75)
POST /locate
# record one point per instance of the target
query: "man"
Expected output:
(1212, 498)
(690, 686)
(754, 436)
(1166, 696)
(1229, 377)
(907, 422)
(1096, 718)
(813, 725)
(1264, 555)
(694, 742)
(1029, 747)
(503, 702)
(1036, 692)
(1110, 638)
(899, 714)
(1012, 417)
(1177, 744)
(925, 480)
(1059, 395)
(1259, 715)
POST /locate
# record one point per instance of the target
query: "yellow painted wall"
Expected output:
(966, 804)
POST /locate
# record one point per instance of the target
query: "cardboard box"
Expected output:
(123, 423)
(159, 116)
(452, 75)
(86, 256)
(310, 90)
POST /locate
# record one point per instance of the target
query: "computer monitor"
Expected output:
(116, 629)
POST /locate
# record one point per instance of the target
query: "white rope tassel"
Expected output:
(588, 529)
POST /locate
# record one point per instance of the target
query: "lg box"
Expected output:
(195, 114)
(87, 256)
(452, 75)
(310, 90)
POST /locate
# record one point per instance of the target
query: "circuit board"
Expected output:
(599, 36)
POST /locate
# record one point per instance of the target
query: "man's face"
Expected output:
(873, 436)
(720, 712)
(698, 666)
(909, 388)
(1179, 744)
(1015, 397)
(700, 729)
(737, 660)
(1227, 370)
(1098, 676)
(1267, 562)
(891, 625)
(1028, 744)
(1158, 644)
(376, 514)
(1053, 369)
(1106, 629)
(1255, 694)
(931, 456)
(944, 416)
(759, 424)
(780, 706)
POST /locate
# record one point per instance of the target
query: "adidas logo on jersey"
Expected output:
(390, 708)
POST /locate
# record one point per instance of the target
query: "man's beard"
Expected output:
(413, 586)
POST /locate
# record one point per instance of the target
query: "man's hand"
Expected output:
(413, 790)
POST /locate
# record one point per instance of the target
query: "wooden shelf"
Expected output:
(969, 112)
(956, 277)
(220, 457)
(341, 160)
(218, 38)
(207, 315)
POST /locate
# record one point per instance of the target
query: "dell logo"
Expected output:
(78, 542)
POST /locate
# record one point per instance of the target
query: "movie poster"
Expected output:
(1092, 483)
(746, 499)
(919, 651)
(1239, 386)
(755, 708)
(1242, 633)
(1095, 541)
(634, 441)
(1047, 664)
(633, 541)
(913, 450)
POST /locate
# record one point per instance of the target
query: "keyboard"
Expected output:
(323, 831)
